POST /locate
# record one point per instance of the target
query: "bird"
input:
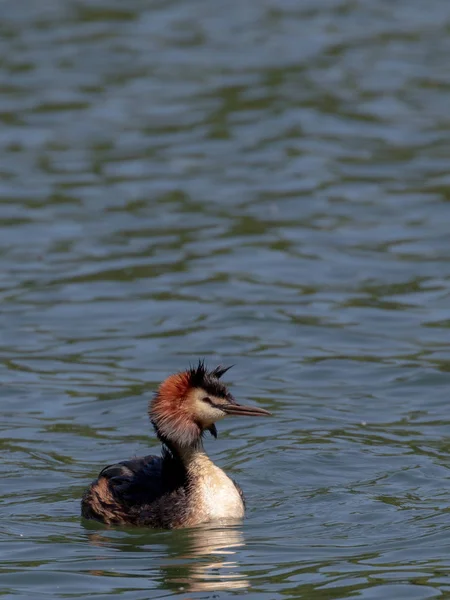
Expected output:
(182, 487)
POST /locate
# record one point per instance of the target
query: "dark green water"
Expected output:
(264, 183)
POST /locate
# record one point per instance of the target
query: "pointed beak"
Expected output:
(245, 411)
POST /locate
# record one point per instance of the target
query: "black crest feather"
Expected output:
(200, 377)
(219, 371)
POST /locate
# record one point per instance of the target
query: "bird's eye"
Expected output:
(207, 400)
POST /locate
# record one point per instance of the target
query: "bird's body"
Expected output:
(183, 487)
(155, 491)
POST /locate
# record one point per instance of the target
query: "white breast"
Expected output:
(214, 495)
(219, 497)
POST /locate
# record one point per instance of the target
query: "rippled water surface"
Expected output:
(264, 183)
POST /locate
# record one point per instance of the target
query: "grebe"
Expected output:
(183, 487)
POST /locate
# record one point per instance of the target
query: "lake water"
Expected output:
(264, 183)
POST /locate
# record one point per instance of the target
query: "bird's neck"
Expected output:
(183, 454)
(192, 454)
(193, 458)
(188, 455)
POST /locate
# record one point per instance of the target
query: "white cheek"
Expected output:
(207, 415)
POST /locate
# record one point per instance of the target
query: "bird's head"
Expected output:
(189, 403)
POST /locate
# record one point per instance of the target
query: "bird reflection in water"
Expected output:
(214, 566)
(189, 560)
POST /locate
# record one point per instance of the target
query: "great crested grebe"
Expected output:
(183, 487)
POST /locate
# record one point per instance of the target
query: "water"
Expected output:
(258, 183)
